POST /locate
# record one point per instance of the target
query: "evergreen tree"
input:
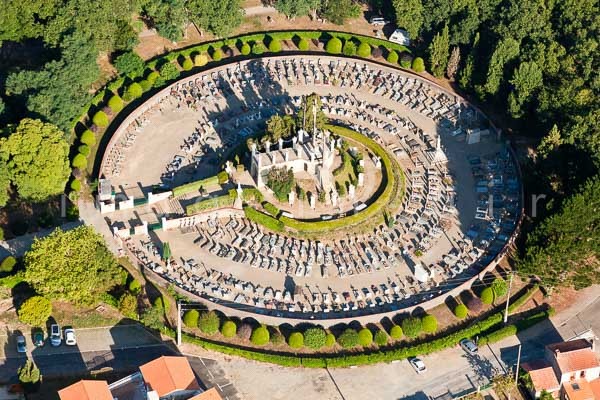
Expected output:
(438, 53)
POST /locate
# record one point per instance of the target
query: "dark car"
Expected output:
(21, 344)
(38, 338)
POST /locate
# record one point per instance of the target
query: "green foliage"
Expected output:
(348, 339)
(258, 48)
(169, 72)
(220, 17)
(439, 50)
(364, 50)
(116, 104)
(154, 318)
(461, 311)
(392, 57)
(222, 177)
(245, 49)
(526, 80)
(88, 137)
(315, 338)
(4, 188)
(79, 161)
(271, 209)
(29, 374)
(506, 51)
(84, 149)
(381, 338)
(129, 63)
(135, 287)
(429, 323)
(209, 322)
(74, 265)
(279, 127)
(217, 55)
(146, 85)
(277, 338)
(275, 46)
(168, 16)
(187, 64)
(8, 264)
(281, 181)
(128, 305)
(487, 295)
(406, 60)
(396, 332)
(190, 318)
(263, 219)
(499, 287)
(35, 156)
(35, 311)
(260, 336)
(296, 340)
(409, 15)
(200, 60)
(100, 119)
(152, 77)
(365, 337)
(208, 204)
(517, 303)
(349, 48)
(412, 327)
(303, 44)
(339, 11)
(195, 186)
(418, 65)
(330, 340)
(229, 329)
(296, 8)
(134, 91)
(334, 46)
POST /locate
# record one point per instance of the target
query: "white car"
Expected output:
(378, 21)
(418, 365)
(70, 339)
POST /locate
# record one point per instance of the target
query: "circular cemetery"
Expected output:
(311, 187)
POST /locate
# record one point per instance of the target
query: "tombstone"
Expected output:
(286, 155)
(351, 191)
(361, 162)
(378, 163)
(267, 146)
(240, 191)
(291, 197)
(312, 201)
(229, 167)
(294, 142)
(361, 179)
(312, 156)
(280, 144)
(339, 142)
(334, 198)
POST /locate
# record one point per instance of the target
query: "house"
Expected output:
(165, 378)
(400, 36)
(569, 371)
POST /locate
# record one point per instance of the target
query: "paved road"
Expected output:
(19, 245)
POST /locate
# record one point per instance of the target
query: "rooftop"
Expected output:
(542, 376)
(86, 390)
(167, 374)
(576, 355)
(578, 390)
(210, 394)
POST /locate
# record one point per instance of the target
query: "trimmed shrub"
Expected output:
(381, 338)
(146, 85)
(209, 322)
(334, 46)
(187, 64)
(487, 296)
(303, 44)
(406, 60)
(263, 219)
(296, 340)
(168, 72)
(396, 332)
(222, 177)
(499, 287)
(84, 149)
(412, 327)
(76, 185)
(134, 91)
(135, 287)
(461, 311)
(8, 264)
(258, 48)
(79, 161)
(349, 48)
(190, 318)
(429, 323)
(348, 339)
(364, 50)
(245, 49)
(129, 63)
(315, 338)
(128, 306)
(277, 338)
(260, 336)
(329, 340)
(152, 77)
(229, 329)
(200, 60)
(88, 137)
(217, 55)
(245, 331)
(116, 104)
(523, 299)
(392, 57)
(418, 65)
(275, 46)
(100, 119)
(365, 337)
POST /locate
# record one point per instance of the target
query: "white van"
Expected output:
(378, 21)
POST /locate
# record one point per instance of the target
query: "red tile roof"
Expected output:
(210, 394)
(542, 377)
(576, 360)
(168, 374)
(578, 390)
(86, 390)
(595, 386)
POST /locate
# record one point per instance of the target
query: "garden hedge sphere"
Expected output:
(100, 119)
(461, 311)
(35, 311)
(303, 44)
(79, 161)
(209, 322)
(365, 337)
(296, 340)
(88, 137)
(200, 60)
(229, 329)
(429, 324)
(329, 340)
(499, 287)
(190, 318)
(392, 57)
(348, 338)
(217, 55)
(75, 186)
(187, 64)
(412, 327)
(364, 50)
(349, 48)
(334, 46)
(258, 48)
(381, 338)
(396, 332)
(418, 65)
(245, 50)
(260, 336)
(135, 91)
(84, 149)
(275, 46)
(115, 103)
(315, 338)
(487, 296)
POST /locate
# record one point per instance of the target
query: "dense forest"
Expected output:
(533, 65)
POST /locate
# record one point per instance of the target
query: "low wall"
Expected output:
(176, 223)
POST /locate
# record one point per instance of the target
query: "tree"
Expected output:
(166, 252)
(550, 142)
(296, 8)
(429, 323)
(365, 337)
(134, 91)
(409, 15)
(153, 317)
(4, 185)
(74, 265)
(364, 50)
(260, 336)
(29, 376)
(169, 72)
(487, 295)
(396, 332)
(84, 149)
(307, 108)
(465, 79)
(281, 181)
(79, 161)
(453, 63)
(279, 127)
(315, 338)
(135, 287)
(115, 103)
(217, 55)
(229, 329)
(412, 327)
(381, 338)
(438, 53)
(35, 311)
(499, 287)
(128, 305)
(209, 322)
(461, 311)
(418, 65)
(338, 11)
(129, 63)
(334, 46)
(296, 340)
(348, 338)
(8, 264)
(201, 59)
(190, 318)
(220, 17)
(506, 50)
(527, 78)
(169, 17)
(187, 64)
(36, 157)
(88, 137)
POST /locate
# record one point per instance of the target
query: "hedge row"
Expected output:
(195, 186)
(271, 209)
(215, 202)
(523, 299)
(263, 219)
(514, 328)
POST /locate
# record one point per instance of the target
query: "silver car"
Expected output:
(55, 335)
(469, 346)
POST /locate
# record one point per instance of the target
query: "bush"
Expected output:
(76, 185)
(260, 336)
(35, 311)
(349, 48)
(258, 48)
(29, 376)
(88, 137)
(128, 306)
(84, 149)
(392, 57)
(329, 340)
(79, 161)
(245, 331)
(364, 50)
(429, 323)
(245, 49)
(365, 337)
(303, 44)
(200, 60)
(487, 296)
(135, 287)
(229, 329)
(209, 322)
(115, 103)
(190, 318)
(8, 264)
(523, 299)
(168, 72)
(381, 338)
(187, 64)
(348, 339)
(134, 91)
(499, 287)
(275, 46)
(315, 338)
(296, 340)
(263, 219)
(334, 46)
(396, 332)
(412, 327)
(129, 64)
(406, 60)
(152, 77)
(418, 65)
(461, 311)
(271, 209)
(223, 177)
(100, 119)
(217, 55)
(277, 338)
(146, 85)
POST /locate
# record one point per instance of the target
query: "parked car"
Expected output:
(418, 365)
(70, 339)
(378, 21)
(21, 344)
(469, 346)
(55, 336)
(38, 338)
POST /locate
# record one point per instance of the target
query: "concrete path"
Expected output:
(19, 245)
(259, 10)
